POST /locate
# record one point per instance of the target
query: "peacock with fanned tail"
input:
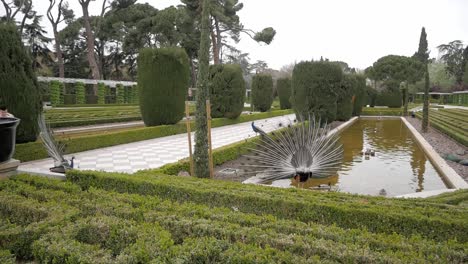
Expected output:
(304, 150)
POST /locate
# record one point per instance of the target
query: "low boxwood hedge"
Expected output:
(432, 221)
(371, 111)
(132, 228)
(35, 150)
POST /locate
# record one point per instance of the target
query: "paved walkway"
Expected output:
(154, 153)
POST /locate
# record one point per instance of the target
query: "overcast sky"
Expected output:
(355, 31)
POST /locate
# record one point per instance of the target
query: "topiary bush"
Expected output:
(135, 97)
(262, 92)
(390, 98)
(345, 100)
(120, 94)
(359, 95)
(80, 93)
(163, 80)
(101, 93)
(227, 88)
(19, 90)
(54, 91)
(314, 89)
(283, 86)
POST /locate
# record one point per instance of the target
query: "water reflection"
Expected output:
(398, 167)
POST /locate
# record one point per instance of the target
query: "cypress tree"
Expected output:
(314, 89)
(345, 98)
(19, 90)
(227, 89)
(283, 86)
(163, 79)
(423, 56)
(262, 92)
(359, 95)
(201, 137)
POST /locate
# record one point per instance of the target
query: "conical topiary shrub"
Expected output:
(283, 86)
(19, 90)
(163, 80)
(227, 88)
(262, 92)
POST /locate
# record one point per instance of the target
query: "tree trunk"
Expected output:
(193, 73)
(405, 111)
(219, 41)
(58, 52)
(215, 47)
(425, 121)
(90, 45)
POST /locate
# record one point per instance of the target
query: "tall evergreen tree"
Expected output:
(201, 137)
(19, 90)
(423, 56)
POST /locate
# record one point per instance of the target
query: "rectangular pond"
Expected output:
(398, 165)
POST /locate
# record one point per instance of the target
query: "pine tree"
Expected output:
(423, 56)
(201, 137)
(19, 90)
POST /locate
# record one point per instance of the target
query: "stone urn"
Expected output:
(7, 137)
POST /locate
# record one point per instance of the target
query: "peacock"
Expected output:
(303, 150)
(54, 149)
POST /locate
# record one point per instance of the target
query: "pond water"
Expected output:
(398, 167)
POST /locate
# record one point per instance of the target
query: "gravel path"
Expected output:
(443, 145)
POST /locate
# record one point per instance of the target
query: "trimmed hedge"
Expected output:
(283, 86)
(384, 216)
(80, 93)
(163, 81)
(314, 89)
(19, 90)
(262, 92)
(35, 150)
(360, 94)
(120, 94)
(54, 90)
(113, 227)
(346, 97)
(392, 99)
(374, 111)
(227, 90)
(101, 93)
(452, 122)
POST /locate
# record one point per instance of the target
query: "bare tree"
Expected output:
(90, 42)
(12, 8)
(63, 14)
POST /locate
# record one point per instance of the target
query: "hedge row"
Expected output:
(35, 150)
(130, 228)
(371, 111)
(451, 123)
(430, 221)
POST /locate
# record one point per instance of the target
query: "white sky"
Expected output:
(355, 31)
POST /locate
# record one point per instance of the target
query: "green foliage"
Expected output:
(80, 93)
(360, 95)
(262, 92)
(135, 97)
(394, 216)
(283, 86)
(346, 97)
(314, 89)
(371, 96)
(371, 111)
(35, 150)
(227, 91)
(6, 257)
(101, 93)
(163, 78)
(180, 225)
(266, 35)
(54, 90)
(452, 122)
(392, 98)
(453, 56)
(120, 94)
(19, 90)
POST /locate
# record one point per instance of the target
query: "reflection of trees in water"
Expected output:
(353, 142)
(391, 135)
(418, 166)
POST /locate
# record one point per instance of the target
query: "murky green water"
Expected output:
(398, 167)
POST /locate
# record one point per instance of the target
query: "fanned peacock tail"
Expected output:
(54, 149)
(303, 149)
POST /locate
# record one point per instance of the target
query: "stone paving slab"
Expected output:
(154, 153)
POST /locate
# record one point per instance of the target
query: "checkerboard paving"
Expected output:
(154, 153)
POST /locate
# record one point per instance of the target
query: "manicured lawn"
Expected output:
(116, 218)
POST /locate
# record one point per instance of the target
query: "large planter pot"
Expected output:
(7, 137)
